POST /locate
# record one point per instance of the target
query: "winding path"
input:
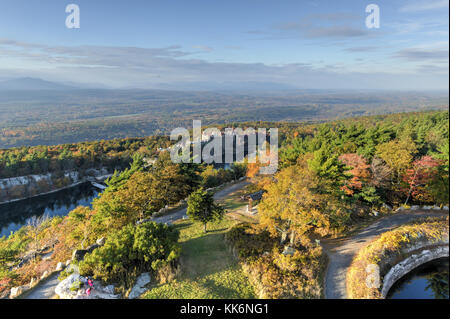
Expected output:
(342, 250)
(46, 288)
(221, 194)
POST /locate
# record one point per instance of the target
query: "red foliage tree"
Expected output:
(422, 173)
(359, 169)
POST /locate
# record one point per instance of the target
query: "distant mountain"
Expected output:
(32, 84)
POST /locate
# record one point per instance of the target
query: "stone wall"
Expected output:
(415, 260)
(22, 187)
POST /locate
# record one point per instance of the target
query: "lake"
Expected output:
(16, 214)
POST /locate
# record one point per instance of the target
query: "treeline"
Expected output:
(327, 171)
(331, 177)
(112, 154)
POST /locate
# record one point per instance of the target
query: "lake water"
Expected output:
(15, 215)
(430, 281)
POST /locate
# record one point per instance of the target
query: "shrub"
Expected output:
(273, 274)
(131, 251)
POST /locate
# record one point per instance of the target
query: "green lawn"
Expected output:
(234, 201)
(208, 268)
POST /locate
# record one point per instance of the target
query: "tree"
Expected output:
(117, 180)
(329, 169)
(381, 173)
(398, 155)
(80, 221)
(440, 187)
(422, 173)
(35, 225)
(359, 170)
(293, 204)
(130, 251)
(201, 207)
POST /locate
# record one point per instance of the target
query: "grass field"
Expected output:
(208, 267)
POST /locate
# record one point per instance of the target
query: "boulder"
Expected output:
(139, 287)
(66, 288)
(109, 289)
(415, 207)
(33, 282)
(445, 208)
(386, 206)
(78, 254)
(374, 213)
(73, 288)
(15, 292)
(59, 266)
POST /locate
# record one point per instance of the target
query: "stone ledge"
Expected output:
(410, 263)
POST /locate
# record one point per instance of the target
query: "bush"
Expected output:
(131, 251)
(273, 274)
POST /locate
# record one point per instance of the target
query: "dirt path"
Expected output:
(341, 251)
(179, 214)
(45, 289)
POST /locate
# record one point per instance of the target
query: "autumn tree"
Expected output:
(398, 155)
(359, 170)
(202, 208)
(35, 225)
(358, 185)
(294, 206)
(422, 173)
(80, 223)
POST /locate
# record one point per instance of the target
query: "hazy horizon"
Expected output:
(205, 45)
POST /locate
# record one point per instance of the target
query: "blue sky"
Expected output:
(197, 43)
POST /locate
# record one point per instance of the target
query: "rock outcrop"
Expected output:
(78, 254)
(139, 287)
(74, 287)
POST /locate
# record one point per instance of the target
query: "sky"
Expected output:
(200, 44)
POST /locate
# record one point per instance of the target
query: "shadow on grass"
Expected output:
(206, 255)
(183, 225)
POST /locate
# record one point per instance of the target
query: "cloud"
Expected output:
(204, 48)
(425, 6)
(416, 54)
(335, 31)
(149, 67)
(362, 49)
(339, 25)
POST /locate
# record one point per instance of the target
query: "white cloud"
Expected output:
(149, 67)
(425, 5)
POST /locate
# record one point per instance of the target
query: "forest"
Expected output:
(331, 177)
